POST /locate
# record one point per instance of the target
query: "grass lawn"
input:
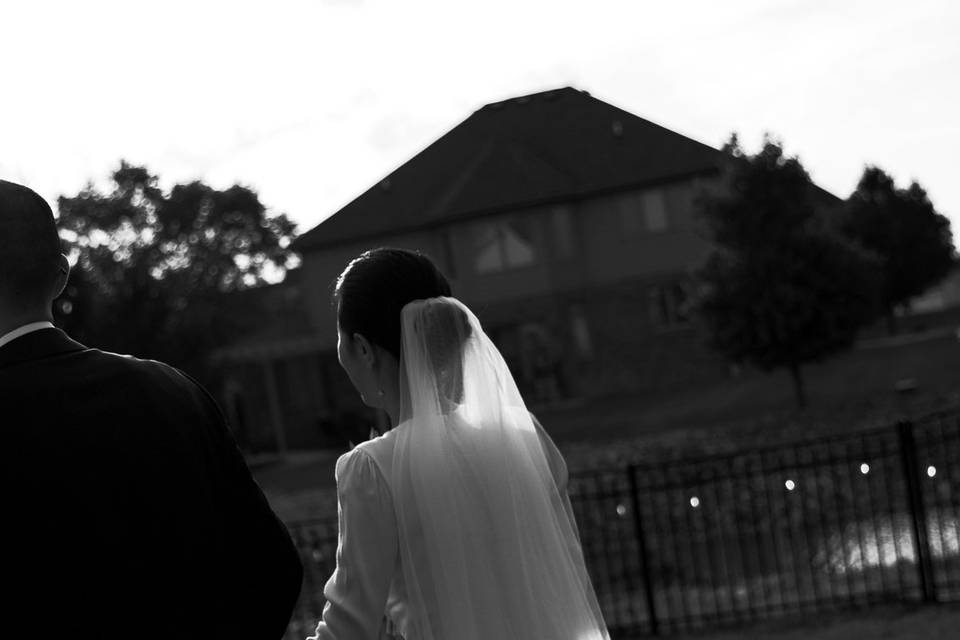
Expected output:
(851, 392)
(894, 622)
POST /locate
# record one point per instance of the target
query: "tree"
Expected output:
(779, 290)
(913, 242)
(151, 268)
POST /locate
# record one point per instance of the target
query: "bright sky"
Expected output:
(312, 101)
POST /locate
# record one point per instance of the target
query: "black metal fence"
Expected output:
(817, 526)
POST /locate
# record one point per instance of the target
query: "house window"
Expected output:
(580, 332)
(668, 304)
(643, 212)
(655, 210)
(680, 203)
(536, 357)
(502, 245)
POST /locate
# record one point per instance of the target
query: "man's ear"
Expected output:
(365, 350)
(63, 276)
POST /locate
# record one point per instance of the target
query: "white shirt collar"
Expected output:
(24, 330)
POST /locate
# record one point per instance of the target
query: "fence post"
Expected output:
(918, 512)
(642, 550)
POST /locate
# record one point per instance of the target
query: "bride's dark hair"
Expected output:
(372, 291)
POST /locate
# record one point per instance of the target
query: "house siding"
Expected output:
(323, 267)
(591, 280)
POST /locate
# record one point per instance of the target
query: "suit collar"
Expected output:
(36, 345)
(23, 330)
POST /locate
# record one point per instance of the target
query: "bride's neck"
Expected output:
(392, 407)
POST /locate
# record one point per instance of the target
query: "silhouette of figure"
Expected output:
(128, 509)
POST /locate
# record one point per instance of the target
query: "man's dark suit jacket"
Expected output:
(128, 511)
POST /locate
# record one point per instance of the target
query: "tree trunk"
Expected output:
(798, 388)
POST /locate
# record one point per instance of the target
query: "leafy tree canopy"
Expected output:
(913, 242)
(779, 290)
(152, 267)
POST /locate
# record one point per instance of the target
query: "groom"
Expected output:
(127, 510)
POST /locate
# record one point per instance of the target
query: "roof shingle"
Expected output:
(551, 146)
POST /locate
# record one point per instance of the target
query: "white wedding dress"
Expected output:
(456, 524)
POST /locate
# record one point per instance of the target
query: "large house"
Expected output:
(566, 223)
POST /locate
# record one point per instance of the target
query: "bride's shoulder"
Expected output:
(374, 454)
(382, 444)
(358, 471)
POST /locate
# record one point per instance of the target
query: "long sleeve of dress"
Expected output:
(357, 591)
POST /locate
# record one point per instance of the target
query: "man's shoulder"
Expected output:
(139, 368)
(141, 378)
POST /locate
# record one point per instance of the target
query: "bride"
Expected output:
(455, 524)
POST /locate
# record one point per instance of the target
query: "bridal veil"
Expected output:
(488, 549)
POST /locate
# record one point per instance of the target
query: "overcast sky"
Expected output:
(311, 102)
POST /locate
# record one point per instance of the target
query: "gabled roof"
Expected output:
(551, 146)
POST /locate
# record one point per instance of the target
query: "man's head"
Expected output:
(33, 271)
